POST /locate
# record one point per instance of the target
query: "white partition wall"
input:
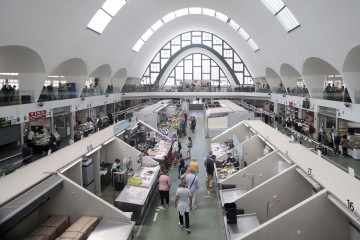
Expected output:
(240, 131)
(284, 191)
(253, 149)
(258, 172)
(314, 218)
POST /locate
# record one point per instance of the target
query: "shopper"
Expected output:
(210, 172)
(175, 150)
(165, 162)
(325, 142)
(53, 143)
(189, 145)
(337, 140)
(194, 164)
(26, 154)
(164, 188)
(161, 172)
(208, 156)
(179, 144)
(183, 172)
(330, 139)
(344, 144)
(183, 203)
(181, 164)
(192, 183)
(193, 124)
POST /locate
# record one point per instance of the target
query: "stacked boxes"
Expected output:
(50, 229)
(81, 229)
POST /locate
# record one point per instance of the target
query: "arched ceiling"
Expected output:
(56, 30)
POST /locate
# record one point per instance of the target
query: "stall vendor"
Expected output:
(152, 143)
(231, 161)
(116, 165)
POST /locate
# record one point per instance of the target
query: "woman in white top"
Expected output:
(183, 204)
(175, 149)
(189, 145)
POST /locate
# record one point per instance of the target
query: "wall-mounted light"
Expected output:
(70, 165)
(83, 98)
(40, 104)
(347, 104)
(92, 151)
(108, 141)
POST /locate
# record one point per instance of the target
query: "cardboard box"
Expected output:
(72, 236)
(61, 223)
(42, 232)
(84, 225)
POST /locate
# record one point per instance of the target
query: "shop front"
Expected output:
(62, 118)
(327, 119)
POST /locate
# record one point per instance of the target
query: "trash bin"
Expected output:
(230, 212)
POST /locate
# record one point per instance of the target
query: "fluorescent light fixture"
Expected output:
(195, 10)
(120, 133)
(138, 45)
(182, 12)
(287, 19)
(221, 17)
(354, 219)
(234, 25)
(315, 185)
(92, 151)
(274, 6)
(108, 141)
(147, 34)
(253, 131)
(113, 6)
(247, 125)
(209, 12)
(169, 17)
(99, 21)
(285, 158)
(70, 165)
(261, 137)
(253, 45)
(157, 25)
(244, 34)
(270, 145)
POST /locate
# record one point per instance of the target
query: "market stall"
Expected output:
(41, 142)
(150, 114)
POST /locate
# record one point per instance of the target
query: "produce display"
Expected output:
(225, 172)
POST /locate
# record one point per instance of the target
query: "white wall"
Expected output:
(240, 131)
(253, 149)
(289, 187)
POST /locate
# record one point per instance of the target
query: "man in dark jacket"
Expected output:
(210, 172)
(337, 140)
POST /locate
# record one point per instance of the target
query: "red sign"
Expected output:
(291, 104)
(37, 115)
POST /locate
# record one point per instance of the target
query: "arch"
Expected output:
(28, 64)
(273, 79)
(351, 72)
(75, 71)
(289, 76)
(119, 79)
(103, 72)
(172, 63)
(202, 39)
(315, 70)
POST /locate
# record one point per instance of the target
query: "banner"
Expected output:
(118, 128)
(237, 145)
(37, 115)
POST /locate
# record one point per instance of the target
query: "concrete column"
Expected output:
(97, 177)
(72, 123)
(316, 123)
(276, 108)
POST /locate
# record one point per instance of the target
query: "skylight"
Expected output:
(234, 25)
(138, 45)
(244, 34)
(221, 17)
(287, 19)
(253, 45)
(182, 12)
(113, 6)
(147, 34)
(99, 22)
(274, 6)
(195, 10)
(209, 12)
(157, 25)
(282, 13)
(169, 17)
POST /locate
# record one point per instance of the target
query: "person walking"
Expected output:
(175, 150)
(210, 172)
(181, 164)
(344, 144)
(337, 140)
(325, 142)
(192, 183)
(208, 156)
(193, 123)
(189, 145)
(183, 203)
(164, 188)
(26, 154)
(194, 164)
(330, 139)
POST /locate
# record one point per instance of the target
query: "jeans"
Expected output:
(187, 221)
(344, 151)
(336, 149)
(164, 195)
(194, 198)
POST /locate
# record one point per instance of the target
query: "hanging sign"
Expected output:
(37, 115)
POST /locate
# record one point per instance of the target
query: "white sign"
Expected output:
(237, 145)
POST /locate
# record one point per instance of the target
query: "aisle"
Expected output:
(204, 221)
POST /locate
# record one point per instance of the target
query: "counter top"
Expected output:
(111, 229)
(133, 194)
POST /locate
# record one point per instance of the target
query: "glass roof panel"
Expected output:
(253, 45)
(169, 17)
(99, 22)
(182, 12)
(157, 25)
(138, 45)
(244, 34)
(221, 17)
(113, 6)
(274, 6)
(234, 25)
(209, 12)
(287, 19)
(147, 34)
(195, 10)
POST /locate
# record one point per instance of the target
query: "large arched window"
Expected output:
(195, 38)
(199, 69)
